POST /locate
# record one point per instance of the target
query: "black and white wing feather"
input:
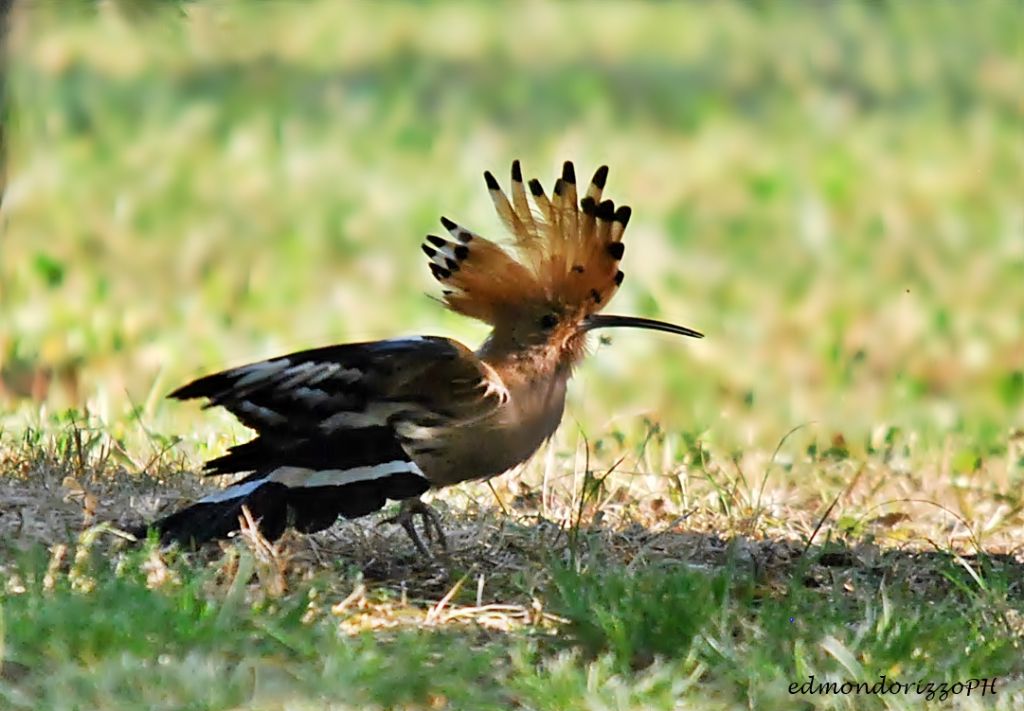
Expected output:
(330, 424)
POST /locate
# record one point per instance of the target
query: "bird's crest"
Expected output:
(565, 251)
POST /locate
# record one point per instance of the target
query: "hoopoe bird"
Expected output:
(342, 429)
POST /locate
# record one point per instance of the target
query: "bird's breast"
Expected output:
(505, 438)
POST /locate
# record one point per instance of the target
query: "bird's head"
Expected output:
(543, 298)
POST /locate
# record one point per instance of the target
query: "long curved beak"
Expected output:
(609, 321)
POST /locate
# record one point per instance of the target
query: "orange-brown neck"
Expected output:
(531, 359)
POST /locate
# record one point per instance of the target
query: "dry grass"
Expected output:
(877, 522)
(810, 553)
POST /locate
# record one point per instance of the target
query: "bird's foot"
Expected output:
(431, 525)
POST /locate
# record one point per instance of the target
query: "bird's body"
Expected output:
(342, 429)
(527, 413)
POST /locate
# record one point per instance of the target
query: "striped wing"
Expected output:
(351, 385)
(336, 397)
(329, 424)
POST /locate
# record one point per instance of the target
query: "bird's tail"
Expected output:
(219, 515)
(275, 506)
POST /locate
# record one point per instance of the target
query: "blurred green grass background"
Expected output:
(832, 192)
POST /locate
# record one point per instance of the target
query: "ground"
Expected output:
(828, 485)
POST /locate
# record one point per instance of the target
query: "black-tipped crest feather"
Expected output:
(563, 249)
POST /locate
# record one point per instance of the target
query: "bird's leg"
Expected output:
(431, 525)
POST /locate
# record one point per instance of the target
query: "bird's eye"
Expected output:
(548, 321)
